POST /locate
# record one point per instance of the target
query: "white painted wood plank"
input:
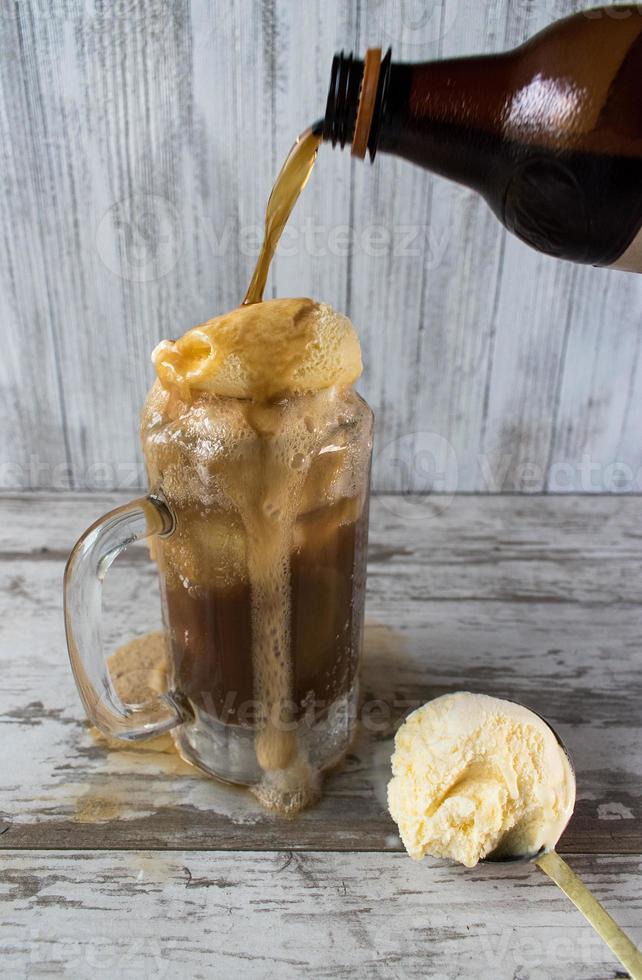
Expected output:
(466, 547)
(603, 365)
(31, 371)
(147, 137)
(195, 915)
(139, 153)
(487, 597)
(397, 242)
(313, 256)
(450, 360)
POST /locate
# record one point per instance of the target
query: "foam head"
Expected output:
(262, 351)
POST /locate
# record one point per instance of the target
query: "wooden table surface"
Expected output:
(127, 862)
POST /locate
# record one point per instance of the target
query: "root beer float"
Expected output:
(262, 450)
(258, 454)
(257, 448)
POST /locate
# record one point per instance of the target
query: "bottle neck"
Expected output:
(420, 112)
(340, 117)
(356, 97)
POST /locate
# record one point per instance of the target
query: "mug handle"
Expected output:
(88, 564)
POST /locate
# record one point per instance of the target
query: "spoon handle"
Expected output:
(558, 870)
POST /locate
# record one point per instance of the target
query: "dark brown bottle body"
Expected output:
(549, 133)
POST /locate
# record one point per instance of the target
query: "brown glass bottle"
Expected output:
(549, 133)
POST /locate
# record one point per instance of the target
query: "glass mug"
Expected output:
(258, 521)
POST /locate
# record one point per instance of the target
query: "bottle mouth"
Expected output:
(343, 99)
(356, 98)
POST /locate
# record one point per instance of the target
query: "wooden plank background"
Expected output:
(139, 140)
(302, 914)
(493, 594)
(529, 597)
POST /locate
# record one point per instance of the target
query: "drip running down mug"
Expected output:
(258, 523)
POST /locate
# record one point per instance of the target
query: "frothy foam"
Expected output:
(266, 350)
(242, 466)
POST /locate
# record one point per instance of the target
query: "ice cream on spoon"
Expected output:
(476, 777)
(473, 775)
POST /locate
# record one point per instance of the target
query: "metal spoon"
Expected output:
(595, 914)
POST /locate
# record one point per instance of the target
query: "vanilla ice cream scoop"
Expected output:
(475, 775)
(265, 350)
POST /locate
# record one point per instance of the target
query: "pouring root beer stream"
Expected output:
(291, 180)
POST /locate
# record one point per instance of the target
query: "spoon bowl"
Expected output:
(501, 856)
(549, 861)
